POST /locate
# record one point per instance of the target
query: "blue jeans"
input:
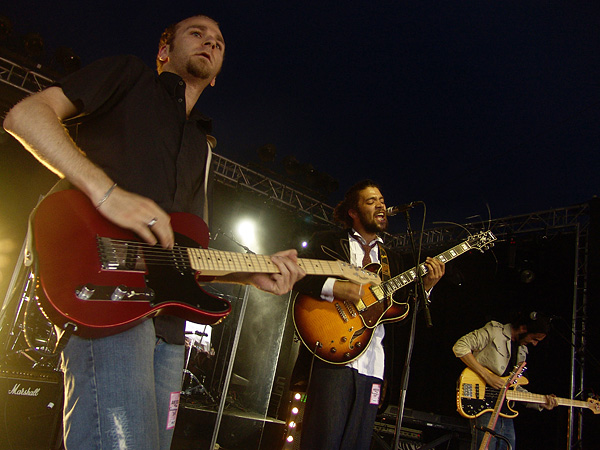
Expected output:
(339, 414)
(121, 391)
(504, 427)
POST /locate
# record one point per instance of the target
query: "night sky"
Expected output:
(457, 104)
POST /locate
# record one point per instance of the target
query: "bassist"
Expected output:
(342, 400)
(499, 347)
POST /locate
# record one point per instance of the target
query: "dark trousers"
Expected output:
(339, 414)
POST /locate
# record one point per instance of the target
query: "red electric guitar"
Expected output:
(103, 279)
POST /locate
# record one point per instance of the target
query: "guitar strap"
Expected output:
(63, 334)
(28, 251)
(385, 265)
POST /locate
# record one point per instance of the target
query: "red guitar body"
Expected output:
(67, 233)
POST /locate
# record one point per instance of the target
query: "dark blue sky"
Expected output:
(457, 103)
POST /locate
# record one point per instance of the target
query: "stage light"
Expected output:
(6, 28)
(295, 410)
(327, 183)
(292, 424)
(267, 153)
(246, 230)
(290, 439)
(67, 59)
(33, 44)
(297, 396)
(527, 276)
(292, 166)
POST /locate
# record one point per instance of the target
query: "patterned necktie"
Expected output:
(367, 249)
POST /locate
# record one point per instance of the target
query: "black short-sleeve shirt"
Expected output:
(132, 123)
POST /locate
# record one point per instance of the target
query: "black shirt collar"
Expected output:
(172, 83)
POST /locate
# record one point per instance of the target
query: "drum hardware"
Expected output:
(27, 338)
(193, 374)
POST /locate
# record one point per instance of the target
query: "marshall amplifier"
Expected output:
(30, 410)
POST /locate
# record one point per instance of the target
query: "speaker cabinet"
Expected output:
(30, 410)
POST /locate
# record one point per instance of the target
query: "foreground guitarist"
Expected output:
(138, 148)
(499, 347)
(342, 400)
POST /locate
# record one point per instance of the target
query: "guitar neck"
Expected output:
(405, 278)
(521, 396)
(217, 263)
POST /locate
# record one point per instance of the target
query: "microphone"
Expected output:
(393, 210)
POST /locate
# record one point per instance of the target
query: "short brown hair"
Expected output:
(168, 36)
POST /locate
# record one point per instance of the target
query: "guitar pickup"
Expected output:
(114, 293)
(120, 255)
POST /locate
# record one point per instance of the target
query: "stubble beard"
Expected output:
(198, 70)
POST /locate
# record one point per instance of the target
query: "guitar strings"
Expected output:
(127, 252)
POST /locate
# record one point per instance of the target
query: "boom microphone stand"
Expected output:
(419, 299)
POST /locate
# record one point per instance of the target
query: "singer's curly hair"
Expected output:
(350, 201)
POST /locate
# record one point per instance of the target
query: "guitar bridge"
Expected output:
(341, 312)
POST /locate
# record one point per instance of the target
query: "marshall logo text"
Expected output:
(18, 390)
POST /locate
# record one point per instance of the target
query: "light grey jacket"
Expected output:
(490, 345)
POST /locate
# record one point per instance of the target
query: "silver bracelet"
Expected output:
(110, 189)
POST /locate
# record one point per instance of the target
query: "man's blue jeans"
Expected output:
(121, 391)
(504, 427)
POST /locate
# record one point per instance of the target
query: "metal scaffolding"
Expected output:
(22, 78)
(235, 175)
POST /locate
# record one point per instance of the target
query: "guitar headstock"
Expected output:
(358, 275)
(482, 241)
(514, 374)
(594, 405)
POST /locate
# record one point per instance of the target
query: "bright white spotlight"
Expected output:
(246, 231)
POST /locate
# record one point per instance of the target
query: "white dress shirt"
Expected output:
(372, 360)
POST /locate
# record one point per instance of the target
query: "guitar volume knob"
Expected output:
(119, 293)
(85, 292)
